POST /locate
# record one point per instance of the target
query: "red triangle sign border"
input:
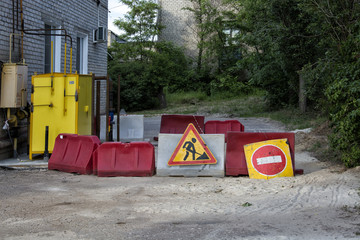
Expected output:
(192, 128)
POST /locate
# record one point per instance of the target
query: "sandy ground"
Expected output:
(324, 203)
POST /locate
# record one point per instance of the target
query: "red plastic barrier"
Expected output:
(235, 157)
(73, 153)
(136, 159)
(177, 124)
(213, 127)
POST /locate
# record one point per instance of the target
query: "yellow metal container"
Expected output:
(62, 102)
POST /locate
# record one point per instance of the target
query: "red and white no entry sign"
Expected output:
(269, 159)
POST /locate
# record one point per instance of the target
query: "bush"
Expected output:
(232, 81)
(137, 90)
(143, 80)
(344, 98)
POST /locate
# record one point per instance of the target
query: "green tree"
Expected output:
(335, 76)
(203, 13)
(279, 44)
(217, 49)
(145, 66)
(314, 40)
(141, 29)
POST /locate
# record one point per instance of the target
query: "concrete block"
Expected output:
(131, 128)
(167, 145)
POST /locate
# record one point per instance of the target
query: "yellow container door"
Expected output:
(53, 104)
(85, 106)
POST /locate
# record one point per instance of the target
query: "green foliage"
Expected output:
(142, 82)
(334, 79)
(137, 90)
(140, 27)
(204, 15)
(214, 30)
(344, 98)
(189, 97)
(232, 81)
(279, 45)
(145, 65)
(170, 67)
(217, 48)
(266, 44)
(315, 39)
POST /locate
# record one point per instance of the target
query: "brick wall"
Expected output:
(78, 17)
(179, 25)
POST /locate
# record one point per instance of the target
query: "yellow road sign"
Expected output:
(269, 159)
(191, 150)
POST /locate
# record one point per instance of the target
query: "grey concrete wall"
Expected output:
(78, 17)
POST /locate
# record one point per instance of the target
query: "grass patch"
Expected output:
(293, 119)
(186, 98)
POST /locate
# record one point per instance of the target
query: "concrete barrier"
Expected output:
(167, 145)
(131, 128)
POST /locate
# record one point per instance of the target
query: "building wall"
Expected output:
(78, 17)
(179, 25)
(113, 37)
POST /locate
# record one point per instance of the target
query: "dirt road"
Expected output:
(324, 203)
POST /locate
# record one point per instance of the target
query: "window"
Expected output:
(82, 54)
(231, 35)
(56, 53)
(231, 51)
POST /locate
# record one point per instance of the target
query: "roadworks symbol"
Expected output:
(191, 150)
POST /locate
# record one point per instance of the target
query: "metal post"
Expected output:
(93, 127)
(46, 152)
(98, 109)
(302, 95)
(118, 111)
(107, 105)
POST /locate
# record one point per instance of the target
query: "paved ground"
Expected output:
(324, 203)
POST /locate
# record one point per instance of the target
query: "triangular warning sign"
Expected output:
(191, 150)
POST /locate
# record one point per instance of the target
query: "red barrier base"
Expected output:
(223, 127)
(235, 157)
(136, 159)
(73, 153)
(177, 124)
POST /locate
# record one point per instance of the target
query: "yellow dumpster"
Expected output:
(61, 102)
